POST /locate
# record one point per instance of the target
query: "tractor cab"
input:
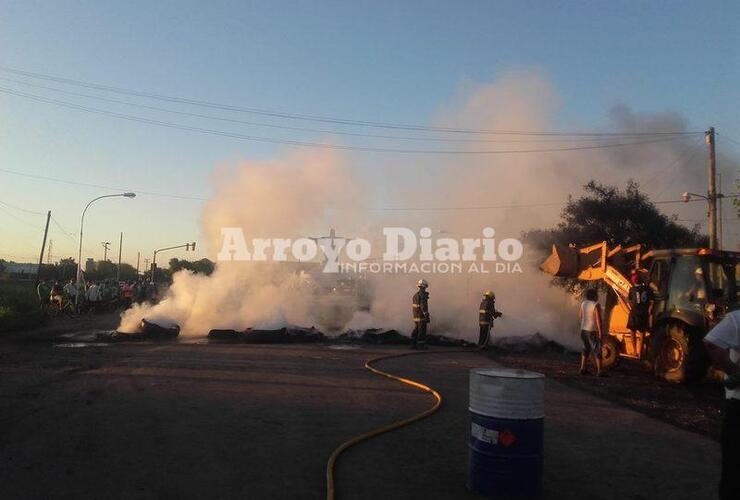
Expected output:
(696, 286)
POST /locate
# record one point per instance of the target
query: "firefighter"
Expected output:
(486, 314)
(420, 309)
(640, 296)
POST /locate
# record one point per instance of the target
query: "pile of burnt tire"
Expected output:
(378, 336)
(286, 335)
(527, 343)
(375, 336)
(147, 331)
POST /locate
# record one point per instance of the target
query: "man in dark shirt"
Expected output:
(640, 297)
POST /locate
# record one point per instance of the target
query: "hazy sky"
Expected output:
(373, 60)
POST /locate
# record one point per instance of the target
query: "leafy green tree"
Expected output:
(606, 213)
(202, 266)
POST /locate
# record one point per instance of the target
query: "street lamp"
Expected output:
(686, 197)
(711, 214)
(82, 222)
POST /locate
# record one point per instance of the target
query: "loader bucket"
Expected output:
(563, 262)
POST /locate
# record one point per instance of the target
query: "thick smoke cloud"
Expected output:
(307, 193)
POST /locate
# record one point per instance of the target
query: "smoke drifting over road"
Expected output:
(307, 193)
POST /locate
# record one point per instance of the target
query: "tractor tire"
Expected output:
(610, 352)
(681, 356)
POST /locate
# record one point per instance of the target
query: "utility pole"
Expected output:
(120, 245)
(146, 265)
(106, 246)
(719, 217)
(138, 256)
(43, 244)
(48, 253)
(712, 191)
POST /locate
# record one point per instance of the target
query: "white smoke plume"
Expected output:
(307, 193)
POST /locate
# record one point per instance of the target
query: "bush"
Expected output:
(19, 306)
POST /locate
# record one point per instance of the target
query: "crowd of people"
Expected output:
(103, 295)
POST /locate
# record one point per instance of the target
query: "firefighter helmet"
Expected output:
(489, 293)
(422, 283)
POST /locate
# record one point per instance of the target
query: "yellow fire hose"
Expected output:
(395, 425)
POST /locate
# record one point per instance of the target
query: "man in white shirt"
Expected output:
(70, 290)
(723, 344)
(93, 294)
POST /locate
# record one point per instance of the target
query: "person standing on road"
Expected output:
(723, 345)
(486, 314)
(70, 290)
(589, 314)
(640, 297)
(420, 309)
(57, 295)
(43, 290)
(93, 295)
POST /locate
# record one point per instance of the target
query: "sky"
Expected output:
(392, 62)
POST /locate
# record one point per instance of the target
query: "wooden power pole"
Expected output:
(120, 246)
(712, 191)
(43, 246)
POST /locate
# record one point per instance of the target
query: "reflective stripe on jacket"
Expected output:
(420, 306)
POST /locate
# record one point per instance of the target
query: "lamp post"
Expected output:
(82, 223)
(714, 239)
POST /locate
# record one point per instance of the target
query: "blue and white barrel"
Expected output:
(506, 432)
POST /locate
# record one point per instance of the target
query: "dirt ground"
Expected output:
(696, 407)
(205, 420)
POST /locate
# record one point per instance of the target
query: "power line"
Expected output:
(287, 142)
(33, 212)
(734, 141)
(675, 177)
(100, 186)
(301, 129)
(679, 160)
(486, 207)
(61, 228)
(316, 118)
(495, 207)
(14, 216)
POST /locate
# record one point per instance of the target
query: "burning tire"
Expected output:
(158, 332)
(681, 357)
(610, 349)
(222, 335)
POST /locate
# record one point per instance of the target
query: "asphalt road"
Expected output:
(205, 420)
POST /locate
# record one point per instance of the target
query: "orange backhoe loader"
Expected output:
(693, 289)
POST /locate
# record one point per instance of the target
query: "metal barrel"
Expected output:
(506, 432)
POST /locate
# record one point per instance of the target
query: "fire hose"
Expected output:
(395, 425)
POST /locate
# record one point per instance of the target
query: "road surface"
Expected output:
(200, 420)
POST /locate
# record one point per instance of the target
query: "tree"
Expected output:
(606, 213)
(202, 266)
